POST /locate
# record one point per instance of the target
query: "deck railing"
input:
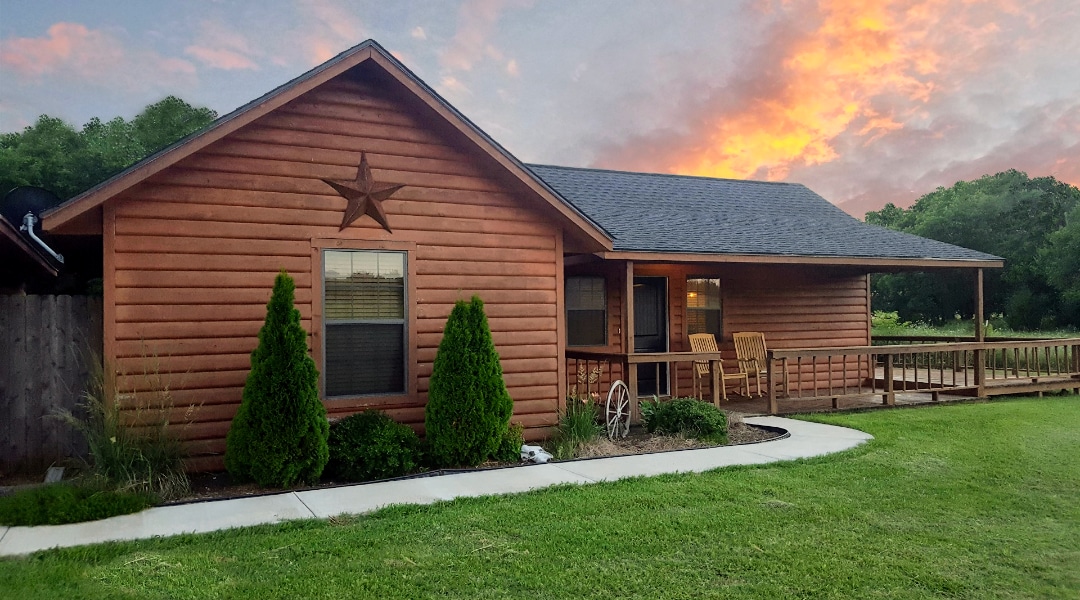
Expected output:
(979, 368)
(583, 362)
(974, 368)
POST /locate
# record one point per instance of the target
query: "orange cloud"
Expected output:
(828, 81)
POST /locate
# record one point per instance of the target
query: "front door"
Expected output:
(650, 332)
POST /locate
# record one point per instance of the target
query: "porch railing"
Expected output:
(973, 368)
(978, 368)
(614, 365)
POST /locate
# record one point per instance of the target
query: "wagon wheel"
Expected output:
(617, 411)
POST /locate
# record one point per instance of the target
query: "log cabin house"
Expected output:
(387, 205)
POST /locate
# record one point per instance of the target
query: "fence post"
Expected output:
(1076, 365)
(889, 397)
(980, 372)
(717, 381)
(770, 374)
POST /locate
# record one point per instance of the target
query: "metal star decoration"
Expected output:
(364, 195)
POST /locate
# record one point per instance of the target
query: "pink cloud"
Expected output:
(66, 44)
(476, 21)
(221, 58)
(219, 47)
(72, 50)
(330, 28)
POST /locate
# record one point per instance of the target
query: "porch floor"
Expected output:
(755, 406)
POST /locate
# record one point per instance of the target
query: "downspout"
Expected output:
(28, 226)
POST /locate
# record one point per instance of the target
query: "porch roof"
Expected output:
(650, 213)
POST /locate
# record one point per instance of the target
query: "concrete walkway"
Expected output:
(806, 440)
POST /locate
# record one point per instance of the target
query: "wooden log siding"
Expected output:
(198, 245)
(794, 308)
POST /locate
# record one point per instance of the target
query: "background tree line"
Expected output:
(54, 155)
(1034, 224)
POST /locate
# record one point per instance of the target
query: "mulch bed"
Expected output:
(214, 486)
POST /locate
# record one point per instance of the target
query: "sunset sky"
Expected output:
(863, 105)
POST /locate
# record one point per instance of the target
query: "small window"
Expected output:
(703, 306)
(586, 311)
(364, 322)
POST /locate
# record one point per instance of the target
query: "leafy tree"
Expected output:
(1060, 259)
(279, 434)
(54, 155)
(469, 408)
(1007, 214)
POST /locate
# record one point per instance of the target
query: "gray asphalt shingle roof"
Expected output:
(648, 212)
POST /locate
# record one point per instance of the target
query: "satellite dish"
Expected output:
(24, 199)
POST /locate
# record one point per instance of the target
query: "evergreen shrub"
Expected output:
(468, 407)
(686, 416)
(278, 437)
(510, 446)
(371, 445)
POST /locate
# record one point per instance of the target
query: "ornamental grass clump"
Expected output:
(371, 445)
(686, 416)
(133, 445)
(278, 437)
(578, 426)
(468, 410)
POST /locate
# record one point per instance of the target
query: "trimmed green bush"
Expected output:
(278, 437)
(61, 503)
(371, 445)
(510, 446)
(468, 407)
(686, 416)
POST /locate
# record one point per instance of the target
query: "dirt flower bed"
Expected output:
(641, 442)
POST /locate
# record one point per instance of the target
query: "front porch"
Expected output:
(854, 377)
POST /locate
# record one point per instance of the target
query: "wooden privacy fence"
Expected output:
(45, 347)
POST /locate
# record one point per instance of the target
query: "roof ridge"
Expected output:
(673, 175)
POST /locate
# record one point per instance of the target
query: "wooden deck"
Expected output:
(754, 406)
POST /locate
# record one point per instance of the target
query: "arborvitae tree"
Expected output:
(468, 409)
(279, 435)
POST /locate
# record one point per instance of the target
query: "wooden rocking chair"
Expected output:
(753, 356)
(706, 342)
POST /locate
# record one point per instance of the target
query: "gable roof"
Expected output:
(366, 51)
(700, 218)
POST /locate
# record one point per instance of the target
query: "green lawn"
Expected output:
(966, 501)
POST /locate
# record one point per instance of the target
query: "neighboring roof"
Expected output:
(678, 214)
(11, 233)
(365, 51)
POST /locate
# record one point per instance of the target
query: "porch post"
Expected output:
(980, 329)
(980, 336)
(628, 339)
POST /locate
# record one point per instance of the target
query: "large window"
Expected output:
(703, 306)
(586, 311)
(364, 322)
